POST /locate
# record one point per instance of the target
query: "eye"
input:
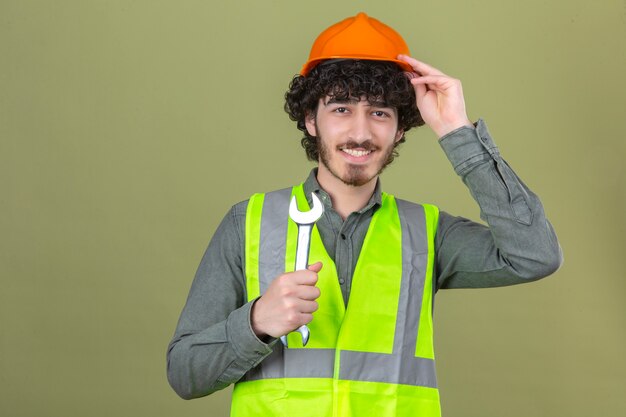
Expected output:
(340, 110)
(380, 113)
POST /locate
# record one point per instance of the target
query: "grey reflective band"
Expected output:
(399, 367)
(381, 367)
(295, 363)
(414, 262)
(273, 236)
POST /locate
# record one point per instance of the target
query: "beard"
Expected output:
(356, 175)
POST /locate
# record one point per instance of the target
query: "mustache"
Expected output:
(366, 145)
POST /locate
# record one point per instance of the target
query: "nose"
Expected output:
(360, 129)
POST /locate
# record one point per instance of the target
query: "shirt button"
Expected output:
(342, 281)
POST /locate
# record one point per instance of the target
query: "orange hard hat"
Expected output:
(358, 37)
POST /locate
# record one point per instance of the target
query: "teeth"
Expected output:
(354, 152)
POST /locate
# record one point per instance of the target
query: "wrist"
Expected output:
(443, 130)
(254, 320)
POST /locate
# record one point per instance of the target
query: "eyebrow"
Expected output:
(334, 100)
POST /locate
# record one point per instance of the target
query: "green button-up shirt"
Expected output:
(214, 344)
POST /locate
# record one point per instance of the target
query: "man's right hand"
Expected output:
(288, 303)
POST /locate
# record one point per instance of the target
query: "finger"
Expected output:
(420, 89)
(419, 66)
(305, 318)
(420, 92)
(304, 277)
(410, 75)
(434, 82)
(308, 307)
(316, 267)
(307, 292)
(433, 79)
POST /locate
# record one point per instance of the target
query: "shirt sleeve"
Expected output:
(214, 345)
(517, 245)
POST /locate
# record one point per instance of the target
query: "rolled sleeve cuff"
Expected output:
(468, 147)
(242, 338)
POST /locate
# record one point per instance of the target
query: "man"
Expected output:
(376, 261)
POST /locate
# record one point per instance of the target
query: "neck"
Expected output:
(345, 198)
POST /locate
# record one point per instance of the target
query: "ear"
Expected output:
(311, 127)
(399, 134)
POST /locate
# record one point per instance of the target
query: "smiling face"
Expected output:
(356, 138)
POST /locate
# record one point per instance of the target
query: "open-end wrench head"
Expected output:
(304, 332)
(306, 217)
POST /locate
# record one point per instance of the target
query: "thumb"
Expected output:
(316, 267)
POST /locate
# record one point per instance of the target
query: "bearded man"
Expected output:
(363, 307)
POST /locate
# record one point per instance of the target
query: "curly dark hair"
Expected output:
(349, 79)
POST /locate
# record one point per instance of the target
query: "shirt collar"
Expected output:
(312, 186)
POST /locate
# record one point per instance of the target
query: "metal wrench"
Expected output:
(305, 221)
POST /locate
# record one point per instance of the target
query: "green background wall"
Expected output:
(128, 129)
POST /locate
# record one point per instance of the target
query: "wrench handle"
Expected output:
(302, 260)
(302, 249)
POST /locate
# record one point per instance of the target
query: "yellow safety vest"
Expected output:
(373, 358)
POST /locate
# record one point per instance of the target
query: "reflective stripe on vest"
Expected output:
(375, 355)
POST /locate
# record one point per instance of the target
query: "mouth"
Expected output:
(356, 152)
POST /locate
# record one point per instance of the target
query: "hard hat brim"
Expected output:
(306, 68)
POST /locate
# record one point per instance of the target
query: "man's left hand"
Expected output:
(439, 97)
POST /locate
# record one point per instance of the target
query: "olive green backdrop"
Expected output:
(128, 129)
